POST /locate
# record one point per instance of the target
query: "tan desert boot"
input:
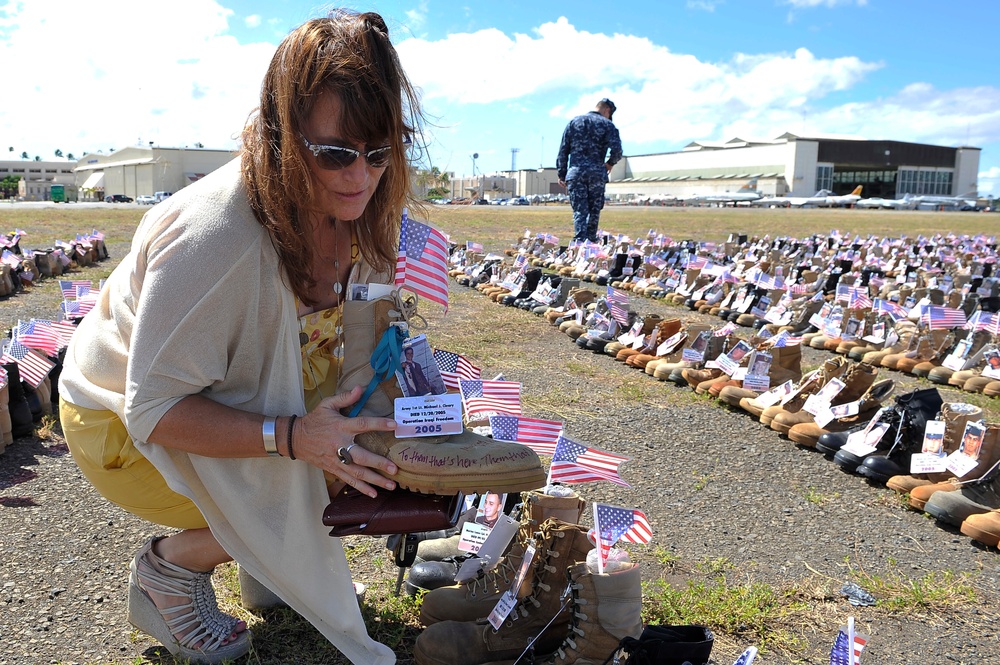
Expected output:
(832, 368)
(955, 416)
(808, 433)
(557, 546)
(989, 455)
(475, 599)
(463, 462)
(857, 379)
(605, 610)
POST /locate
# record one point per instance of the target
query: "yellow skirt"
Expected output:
(103, 449)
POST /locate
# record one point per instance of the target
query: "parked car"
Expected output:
(117, 198)
(160, 196)
(145, 200)
(519, 201)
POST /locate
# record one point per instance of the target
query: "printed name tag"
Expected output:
(926, 463)
(430, 415)
(960, 464)
(865, 442)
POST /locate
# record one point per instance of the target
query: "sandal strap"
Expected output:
(199, 619)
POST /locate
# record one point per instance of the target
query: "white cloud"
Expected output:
(416, 18)
(122, 85)
(661, 95)
(989, 181)
(252, 21)
(704, 5)
(807, 4)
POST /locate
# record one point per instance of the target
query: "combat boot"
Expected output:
(606, 609)
(662, 366)
(6, 437)
(463, 462)
(540, 615)
(475, 599)
(955, 415)
(989, 456)
(808, 433)
(786, 365)
(21, 421)
(831, 369)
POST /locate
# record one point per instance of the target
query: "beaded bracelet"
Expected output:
(291, 424)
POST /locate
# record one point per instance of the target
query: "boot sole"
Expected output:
(802, 439)
(980, 536)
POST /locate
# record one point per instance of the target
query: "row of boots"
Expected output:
(566, 612)
(22, 406)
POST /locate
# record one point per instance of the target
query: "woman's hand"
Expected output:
(319, 436)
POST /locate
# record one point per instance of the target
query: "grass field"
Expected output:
(779, 618)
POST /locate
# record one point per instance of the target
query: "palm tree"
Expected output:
(24, 155)
(37, 158)
(58, 152)
(70, 157)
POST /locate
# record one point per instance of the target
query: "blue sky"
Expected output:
(496, 76)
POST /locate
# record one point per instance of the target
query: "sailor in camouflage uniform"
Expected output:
(585, 143)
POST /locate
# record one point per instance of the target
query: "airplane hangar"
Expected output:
(793, 165)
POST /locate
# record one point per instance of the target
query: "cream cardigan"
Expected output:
(198, 307)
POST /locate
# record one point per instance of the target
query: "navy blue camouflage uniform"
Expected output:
(585, 143)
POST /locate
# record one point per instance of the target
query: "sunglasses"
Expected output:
(335, 157)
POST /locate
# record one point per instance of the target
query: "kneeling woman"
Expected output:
(183, 395)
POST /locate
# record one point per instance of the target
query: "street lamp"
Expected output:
(475, 156)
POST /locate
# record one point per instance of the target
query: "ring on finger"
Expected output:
(344, 453)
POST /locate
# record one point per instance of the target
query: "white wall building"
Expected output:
(798, 166)
(140, 170)
(37, 178)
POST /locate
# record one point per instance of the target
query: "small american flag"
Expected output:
(33, 367)
(858, 298)
(981, 320)
(35, 335)
(843, 652)
(619, 313)
(539, 435)
(943, 318)
(747, 657)
(10, 258)
(70, 287)
(617, 295)
(724, 330)
(64, 329)
(612, 524)
(97, 235)
(455, 367)
(476, 247)
(890, 309)
(70, 310)
(574, 462)
(3, 377)
(697, 263)
(423, 261)
(485, 398)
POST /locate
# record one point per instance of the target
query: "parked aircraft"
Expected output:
(746, 193)
(933, 202)
(833, 201)
(797, 201)
(824, 198)
(905, 203)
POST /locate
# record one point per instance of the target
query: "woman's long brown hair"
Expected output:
(350, 55)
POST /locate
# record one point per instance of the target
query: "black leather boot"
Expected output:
(20, 413)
